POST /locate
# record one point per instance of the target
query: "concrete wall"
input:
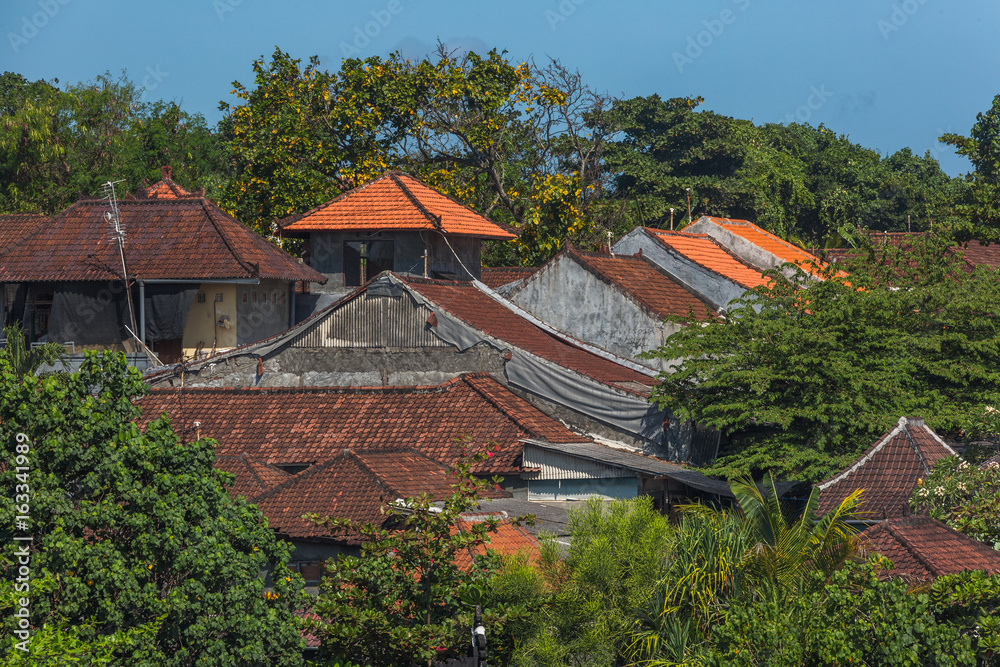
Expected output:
(202, 330)
(572, 299)
(345, 367)
(326, 255)
(718, 290)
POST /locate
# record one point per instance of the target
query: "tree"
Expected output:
(803, 375)
(800, 182)
(58, 144)
(964, 496)
(506, 139)
(24, 360)
(980, 206)
(137, 527)
(408, 599)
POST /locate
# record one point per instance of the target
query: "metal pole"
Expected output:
(142, 312)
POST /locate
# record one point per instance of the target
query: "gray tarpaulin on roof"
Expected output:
(167, 308)
(88, 313)
(629, 412)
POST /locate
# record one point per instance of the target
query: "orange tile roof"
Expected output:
(508, 540)
(780, 248)
(396, 201)
(645, 282)
(706, 251)
(922, 549)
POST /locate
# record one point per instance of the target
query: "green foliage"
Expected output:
(506, 139)
(411, 595)
(25, 360)
(797, 181)
(610, 573)
(979, 206)
(805, 374)
(964, 496)
(138, 528)
(57, 144)
(58, 641)
(850, 618)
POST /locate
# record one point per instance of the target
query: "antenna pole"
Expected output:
(119, 234)
(671, 219)
(689, 204)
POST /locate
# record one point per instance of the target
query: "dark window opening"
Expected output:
(365, 260)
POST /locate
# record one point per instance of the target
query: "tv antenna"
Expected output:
(118, 232)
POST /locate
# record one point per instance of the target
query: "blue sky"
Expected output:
(888, 73)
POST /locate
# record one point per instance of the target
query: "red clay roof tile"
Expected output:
(252, 477)
(508, 540)
(498, 276)
(923, 549)
(307, 425)
(396, 201)
(646, 283)
(186, 238)
(704, 250)
(16, 226)
(888, 472)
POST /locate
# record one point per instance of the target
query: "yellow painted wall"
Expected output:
(202, 327)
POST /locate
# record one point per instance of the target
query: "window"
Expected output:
(218, 297)
(365, 260)
(244, 297)
(263, 297)
(255, 297)
(201, 297)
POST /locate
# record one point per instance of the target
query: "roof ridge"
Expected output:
(317, 389)
(508, 228)
(295, 217)
(912, 548)
(864, 458)
(433, 219)
(246, 265)
(517, 419)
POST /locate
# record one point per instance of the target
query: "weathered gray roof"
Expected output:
(638, 463)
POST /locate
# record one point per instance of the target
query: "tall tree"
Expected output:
(802, 375)
(981, 206)
(506, 139)
(56, 144)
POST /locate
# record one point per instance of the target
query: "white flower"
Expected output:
(961, 486)
(963, 465)
(922, 493)
(939, 491)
